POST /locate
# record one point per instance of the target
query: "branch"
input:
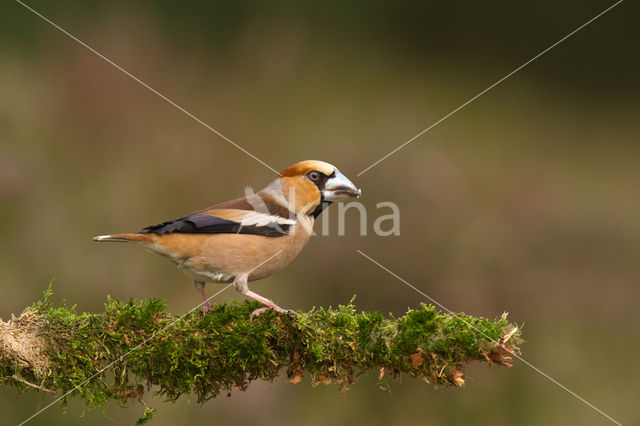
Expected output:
(57, 349)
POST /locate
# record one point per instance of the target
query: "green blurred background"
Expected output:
(525, 201)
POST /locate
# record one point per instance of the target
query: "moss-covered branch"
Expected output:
(57, 349)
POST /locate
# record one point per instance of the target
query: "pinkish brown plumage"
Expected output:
(248, 238)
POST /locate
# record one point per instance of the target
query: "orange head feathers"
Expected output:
(309, 186)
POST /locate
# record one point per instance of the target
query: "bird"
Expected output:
(248, 238)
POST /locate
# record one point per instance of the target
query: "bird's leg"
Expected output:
(241, 284)
(206, 307)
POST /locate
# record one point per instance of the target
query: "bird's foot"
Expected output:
(258, 312)
(206, 307)
(265, 308)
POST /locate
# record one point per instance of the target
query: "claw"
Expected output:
(206, 307)
(257, 312)
(275, 307)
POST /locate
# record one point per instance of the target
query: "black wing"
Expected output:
(207, 224)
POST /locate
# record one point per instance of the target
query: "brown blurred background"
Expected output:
(525, 201)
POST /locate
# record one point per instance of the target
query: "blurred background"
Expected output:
(525, 201)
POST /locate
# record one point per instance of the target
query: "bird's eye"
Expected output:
(314, 176)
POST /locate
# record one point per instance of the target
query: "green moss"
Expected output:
(209, 355)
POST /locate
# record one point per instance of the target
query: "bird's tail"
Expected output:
(126, 238)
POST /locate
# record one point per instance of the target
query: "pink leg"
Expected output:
(268, 304)
(206, 307)
(240, 284)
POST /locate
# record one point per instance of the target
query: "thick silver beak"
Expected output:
(338, 187)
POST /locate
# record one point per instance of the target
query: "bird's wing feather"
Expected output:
(225, 221)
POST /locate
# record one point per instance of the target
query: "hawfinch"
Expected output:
(248, 238)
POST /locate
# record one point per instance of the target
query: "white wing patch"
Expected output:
(261, 219)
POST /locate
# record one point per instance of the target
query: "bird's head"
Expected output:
(308, 186)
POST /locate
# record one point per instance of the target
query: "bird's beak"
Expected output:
(338, 187)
